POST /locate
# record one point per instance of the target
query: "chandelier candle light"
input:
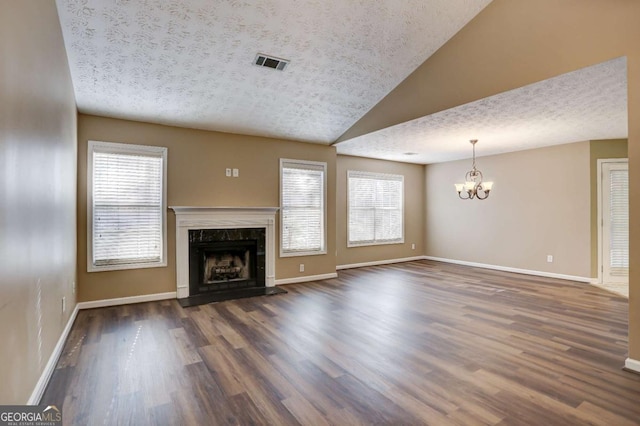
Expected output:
(473, 187)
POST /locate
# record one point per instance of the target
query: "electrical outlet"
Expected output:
(236, 172)
(73, 288)
(413, 246)
(550, 258)
(64, 304)
(228, 172)
(302, 267)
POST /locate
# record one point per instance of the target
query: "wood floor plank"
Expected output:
(224, 368)
(306, 384)
(186, 349)
(604, 416)
(303, 411)
(413, 343)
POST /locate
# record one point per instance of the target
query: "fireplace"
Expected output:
(226, 259)
(224, 252)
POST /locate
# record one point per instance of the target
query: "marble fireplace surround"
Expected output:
(188, 218)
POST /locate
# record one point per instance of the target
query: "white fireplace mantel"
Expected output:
(188, 218)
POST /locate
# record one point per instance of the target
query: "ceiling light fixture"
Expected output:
(473, 187)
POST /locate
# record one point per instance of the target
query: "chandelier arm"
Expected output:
(468, 197)
(486, 194)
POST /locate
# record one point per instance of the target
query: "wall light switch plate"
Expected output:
(228, 172)
(236, 172)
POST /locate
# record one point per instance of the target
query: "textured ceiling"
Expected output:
(586, 104)
(189, 62)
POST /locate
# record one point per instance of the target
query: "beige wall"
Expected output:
(539, 206)
(600, 149)
(413, 211)
(37, 193)
(512, 43)
(197, 161)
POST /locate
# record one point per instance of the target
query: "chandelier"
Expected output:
(473, 187)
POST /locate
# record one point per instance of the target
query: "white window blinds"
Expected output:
(619, 226)
(302, 207)
(127, 206)
(376, 208)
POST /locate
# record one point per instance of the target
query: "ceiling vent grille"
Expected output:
(271, 62)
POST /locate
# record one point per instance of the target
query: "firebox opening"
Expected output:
(227, 265)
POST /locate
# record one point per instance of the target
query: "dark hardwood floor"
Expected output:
(414, 343)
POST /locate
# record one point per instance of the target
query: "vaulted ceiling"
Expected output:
(191, 63)
(587, 104)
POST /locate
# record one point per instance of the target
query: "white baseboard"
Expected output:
(632, 364)
(306, 278)
(378, 262)
(516, 270)
(36, 395)
(127, 300)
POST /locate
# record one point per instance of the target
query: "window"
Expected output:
(126, 206)
(614, 212)
(619, 222)
(302, 207)
(376, 208)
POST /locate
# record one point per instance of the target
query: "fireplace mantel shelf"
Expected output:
(222, 209)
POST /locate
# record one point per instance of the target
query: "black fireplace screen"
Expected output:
(226, 265)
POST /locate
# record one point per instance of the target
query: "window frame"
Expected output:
(373, 176)
(323, 249)
(603, 164)
(130, 149)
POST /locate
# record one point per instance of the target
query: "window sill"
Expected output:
(380, 243)
(303, 253)
(107, 268)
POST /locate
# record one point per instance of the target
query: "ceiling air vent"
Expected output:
(271, 62)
